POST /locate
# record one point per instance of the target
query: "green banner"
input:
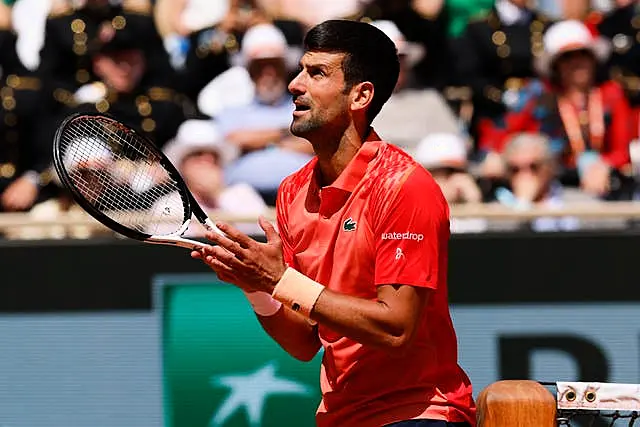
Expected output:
(221, 369)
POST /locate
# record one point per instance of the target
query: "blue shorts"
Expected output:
(426, 423)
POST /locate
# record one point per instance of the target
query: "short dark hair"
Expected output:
(369, 56)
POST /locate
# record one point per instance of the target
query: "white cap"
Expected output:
(567, 36)
(263, 41)
(442, 150)
(199, 135)
(89, 153)
(413, 51)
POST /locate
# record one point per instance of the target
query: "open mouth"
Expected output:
(301, 109)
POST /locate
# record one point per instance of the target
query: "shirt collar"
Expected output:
(357, 167)
(509, 13)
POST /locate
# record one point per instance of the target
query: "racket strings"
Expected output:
(121, 176)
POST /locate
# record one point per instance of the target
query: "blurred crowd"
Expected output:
(512, 102)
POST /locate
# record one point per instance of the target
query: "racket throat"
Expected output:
(181, 242)
(212, 227)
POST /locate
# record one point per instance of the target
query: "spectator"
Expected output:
(531, 176)
(423, 22)
(183, 17)
(462, 11)
(125, 88)
(587, 121)
(312, 12)
(411, 113)
(200, 154)
(565, 9)
(211, 50)
(496, 59)
(445, 157)
(260, 130)
(622, 27)
(24, 159)
(74, 32)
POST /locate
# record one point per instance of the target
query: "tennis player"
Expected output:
(359, 266)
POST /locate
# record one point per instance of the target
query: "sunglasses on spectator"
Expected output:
(533, 167)
(445, 170)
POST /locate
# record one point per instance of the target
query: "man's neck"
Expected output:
(333, 157)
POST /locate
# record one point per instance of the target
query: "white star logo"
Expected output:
(250, 391)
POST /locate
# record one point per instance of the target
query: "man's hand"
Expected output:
(526, 187)
(244, 262)
(465, 188)
(596, 179)
(20, 195)
(493, 166)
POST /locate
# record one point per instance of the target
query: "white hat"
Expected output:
(413, 51)
(87, 153)
(198, 135)
(263, 41)
(442, 150)
(568, 36)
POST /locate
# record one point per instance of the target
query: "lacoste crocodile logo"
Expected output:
(349, 225)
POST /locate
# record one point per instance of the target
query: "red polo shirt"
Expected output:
(383, 221)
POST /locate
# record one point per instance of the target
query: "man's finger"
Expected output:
(224, 272)
(236, 235)
(227, 258)
(227, 243)
(269, 230)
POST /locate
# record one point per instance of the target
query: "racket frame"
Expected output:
(190, 205)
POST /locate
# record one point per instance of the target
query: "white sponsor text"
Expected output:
(403, 236)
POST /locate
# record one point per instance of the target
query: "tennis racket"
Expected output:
(124, 181)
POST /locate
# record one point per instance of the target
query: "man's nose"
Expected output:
(295, 86)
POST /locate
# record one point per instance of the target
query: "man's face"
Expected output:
(203, 175)
(576, 68)
(270, 78)
(320, 95)
(530, 164)
(121, 70)
(623, 3)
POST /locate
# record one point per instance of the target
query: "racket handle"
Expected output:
(212, 227)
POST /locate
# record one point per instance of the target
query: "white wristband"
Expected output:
(263, 304)
(297, 291)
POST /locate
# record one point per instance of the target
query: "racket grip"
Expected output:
(212, 227)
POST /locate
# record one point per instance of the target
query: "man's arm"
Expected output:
(296, 334)
(293, 332)
(254, 139)
(391, 320)
(250, 140)
(388, 322)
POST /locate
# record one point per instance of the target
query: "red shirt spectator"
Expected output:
(588, 123)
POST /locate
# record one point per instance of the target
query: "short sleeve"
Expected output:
(412, 233)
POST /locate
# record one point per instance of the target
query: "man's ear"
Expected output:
(361, 96)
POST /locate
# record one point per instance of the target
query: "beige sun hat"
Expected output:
(440, 150)
(412, 51)
(569, 36)
(199, 135)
